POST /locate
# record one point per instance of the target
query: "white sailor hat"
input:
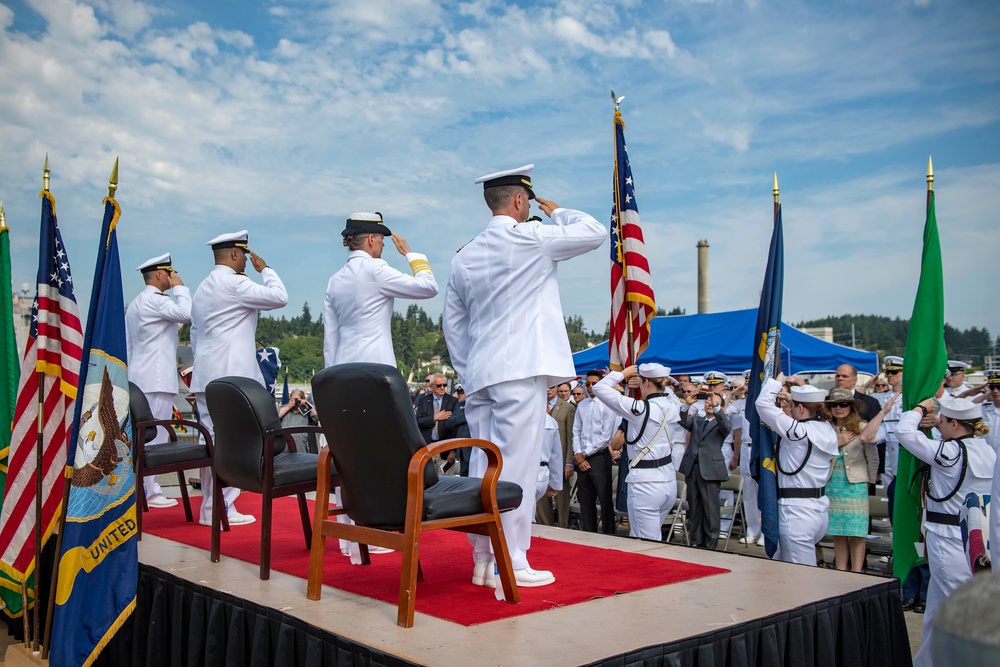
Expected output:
(891, 363)
(960, 408)
(158, 263)
(654, 370)
(716, 377)
(520, 176)
(807, 394)
(957, 366)
(240, 239)
(363, 222)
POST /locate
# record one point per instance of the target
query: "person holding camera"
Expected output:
(704, 466)
(299, 412)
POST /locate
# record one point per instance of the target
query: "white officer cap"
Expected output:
(891, 363)
(993, 377)
(957, 366)
(158, 263)
(716, 377)
(240, 239)
(808, 394)
(960, 408)
(520, 176)
(654, 370)
(746, 375)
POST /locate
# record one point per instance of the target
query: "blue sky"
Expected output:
(283, 118)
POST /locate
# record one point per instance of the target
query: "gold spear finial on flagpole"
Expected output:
(3, 216)
(113, 181)
(775, 190)
(930, 174)
(46, 173)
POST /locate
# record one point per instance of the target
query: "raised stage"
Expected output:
(191, 611)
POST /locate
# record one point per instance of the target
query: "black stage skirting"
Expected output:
(179, 623)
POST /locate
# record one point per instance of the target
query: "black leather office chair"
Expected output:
(171, 456)
(255, 453)
(389, 485)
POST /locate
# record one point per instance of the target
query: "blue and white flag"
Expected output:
(766, 364)
(269, 363)
(98, 563)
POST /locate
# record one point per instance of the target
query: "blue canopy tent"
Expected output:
(692, 344)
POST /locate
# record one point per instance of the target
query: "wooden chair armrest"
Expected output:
(287, 431)
(494, 463)
(139, 427)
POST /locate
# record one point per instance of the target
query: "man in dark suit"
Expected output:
(433, 410)
(564, 413)
(704, 467)
(847, 377)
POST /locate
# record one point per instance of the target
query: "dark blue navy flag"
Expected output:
(269, 363)
(766, 364)
(98, 563)
(284, 391)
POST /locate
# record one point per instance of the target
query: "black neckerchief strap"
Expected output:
(645, 420)
(963, 454)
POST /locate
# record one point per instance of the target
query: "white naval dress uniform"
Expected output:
(802, 522)
(151, 323)
(959, 390)
(991, 417)
(223, 328)
(751, 508)
(503, 323)
(945, 553)
(357, 309)
(550, 467)
(651, 491)
(887, 434)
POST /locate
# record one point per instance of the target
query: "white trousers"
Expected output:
(800, 527)
(750, 507)
(949, 570)
(229, 494)
(649, 503)
(161, 405)
(512, 416)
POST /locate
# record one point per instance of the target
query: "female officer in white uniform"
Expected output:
(961, 463)
(652, 479)
(804, 454)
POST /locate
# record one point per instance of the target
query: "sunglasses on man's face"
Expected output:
(441, 385)
(893, 372)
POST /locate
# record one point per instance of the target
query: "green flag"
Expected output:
(926, 361)
(10, 372)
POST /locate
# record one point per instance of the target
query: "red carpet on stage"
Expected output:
(582, 572)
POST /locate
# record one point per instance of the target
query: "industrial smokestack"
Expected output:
(703, 276)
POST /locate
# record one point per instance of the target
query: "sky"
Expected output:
(283, 118)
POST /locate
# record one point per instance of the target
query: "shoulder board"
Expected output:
(161, 293)
(463, 246)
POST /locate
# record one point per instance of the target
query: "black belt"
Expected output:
(801, 493)
(658, 463)
(942, 518)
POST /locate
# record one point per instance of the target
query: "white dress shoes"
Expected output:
(484, 575)
(160, 500)
(235, 519)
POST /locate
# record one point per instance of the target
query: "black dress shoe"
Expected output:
(920, 607)
(908, 604)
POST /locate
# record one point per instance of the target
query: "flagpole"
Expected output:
(46, 177)
(621, 241)
(777, 211)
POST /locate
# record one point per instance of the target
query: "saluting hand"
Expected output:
(258, 262)
(175, 279)
(401, 245)
(546, 205)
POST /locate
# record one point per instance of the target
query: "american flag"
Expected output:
(631, 287)
(54, 348)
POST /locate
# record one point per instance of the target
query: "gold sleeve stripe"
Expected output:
(419, 266)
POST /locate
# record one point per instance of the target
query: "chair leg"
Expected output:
(420, 571)
(317, 553)
(408, 582)
(366, 558)
(138, 514)
(265, 537)
(217, 514)
(304, 513)
(184, 496)
(504, 568)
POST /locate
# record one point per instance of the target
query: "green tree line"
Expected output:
(887, 335)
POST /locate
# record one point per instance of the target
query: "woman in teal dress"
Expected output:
(854, 468)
